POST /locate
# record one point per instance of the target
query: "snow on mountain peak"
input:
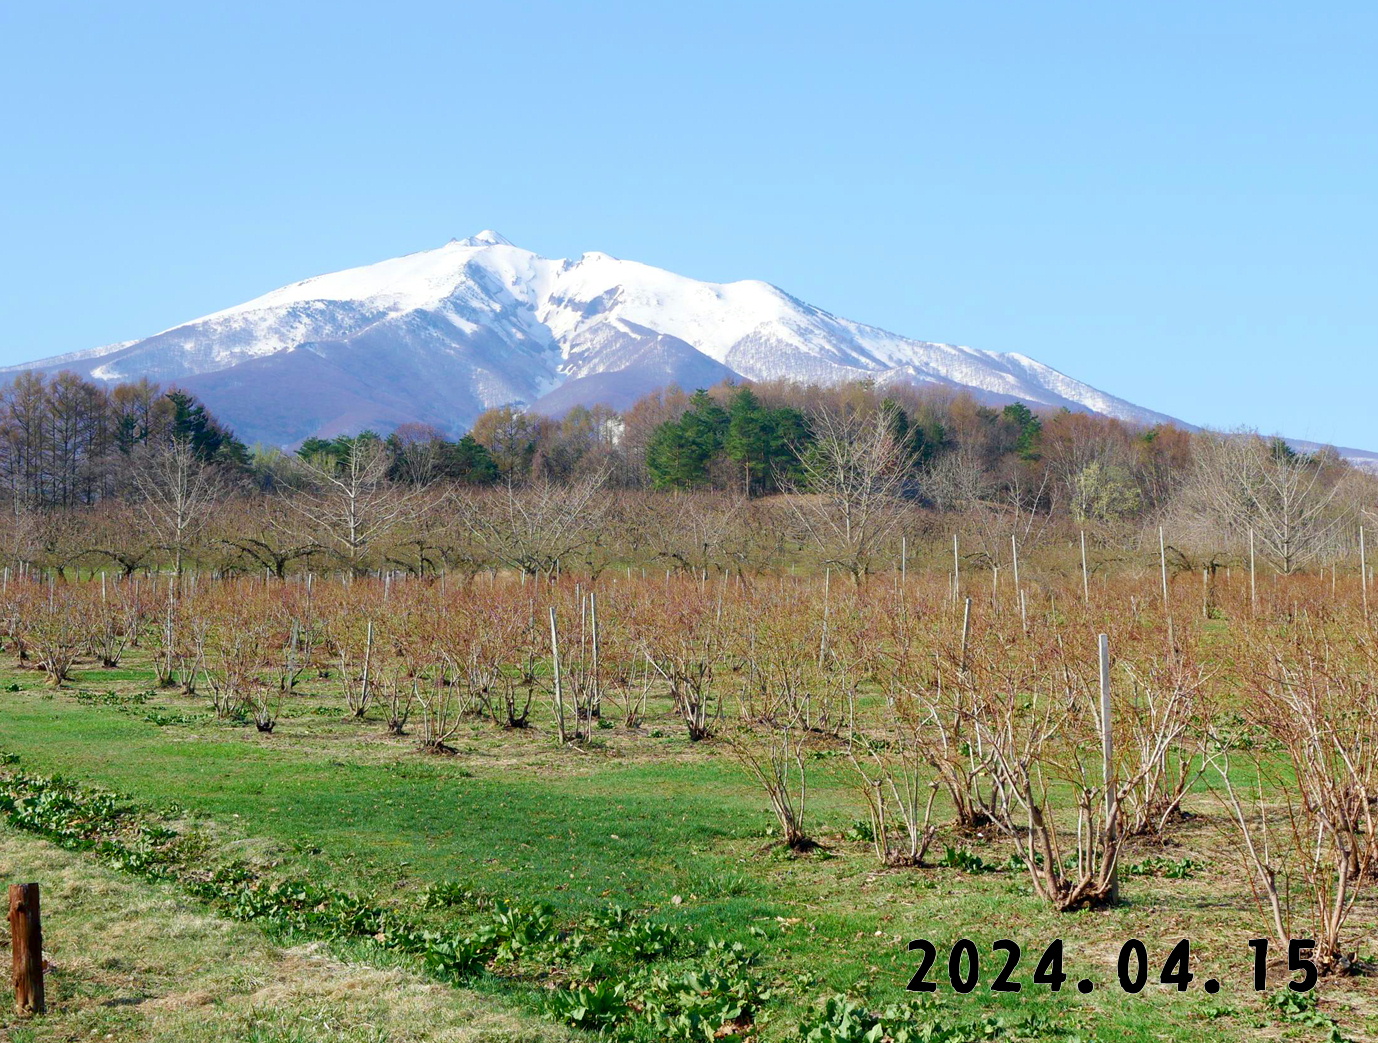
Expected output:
(487, 237)
(439, 335)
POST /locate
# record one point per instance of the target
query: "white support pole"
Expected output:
(823, 638)
(596, 696)
(368, 656)
(1107, 762)
(555, 668)
(1162, 560)
(1253, 579)
(1363, 570)
(966, 632)
(956, 570)
(1085, 574)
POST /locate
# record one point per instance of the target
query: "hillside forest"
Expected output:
(748, 479)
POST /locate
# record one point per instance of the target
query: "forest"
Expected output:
(748, 479)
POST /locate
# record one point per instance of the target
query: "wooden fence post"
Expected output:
(26, 939)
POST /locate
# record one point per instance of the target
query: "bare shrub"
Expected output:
(55, 630)
(776, 757)
(232, 655)
(1305, 830)
(897, 782)
(1034, 718)
(351, 641)
(1164, 721)
(442, 709)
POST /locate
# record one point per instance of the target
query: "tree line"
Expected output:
(735, 477)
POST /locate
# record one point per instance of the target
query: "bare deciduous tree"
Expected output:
(350, 502)
(848, 500)
(535, 529)
(258, 535)
(1241, 482)
(176, 493)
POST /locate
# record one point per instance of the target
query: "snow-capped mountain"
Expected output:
(441, 335)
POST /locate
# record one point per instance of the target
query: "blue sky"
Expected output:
(1176, 202)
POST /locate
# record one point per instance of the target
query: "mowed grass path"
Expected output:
(638, 823)
(167, 971)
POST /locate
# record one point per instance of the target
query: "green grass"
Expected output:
(640, 821)
(138, 961)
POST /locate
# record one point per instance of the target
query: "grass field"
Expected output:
(647, 821)
(134, 961)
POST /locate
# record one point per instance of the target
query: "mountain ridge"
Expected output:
(439, 335)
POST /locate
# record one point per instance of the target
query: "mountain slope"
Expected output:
(441, 335)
